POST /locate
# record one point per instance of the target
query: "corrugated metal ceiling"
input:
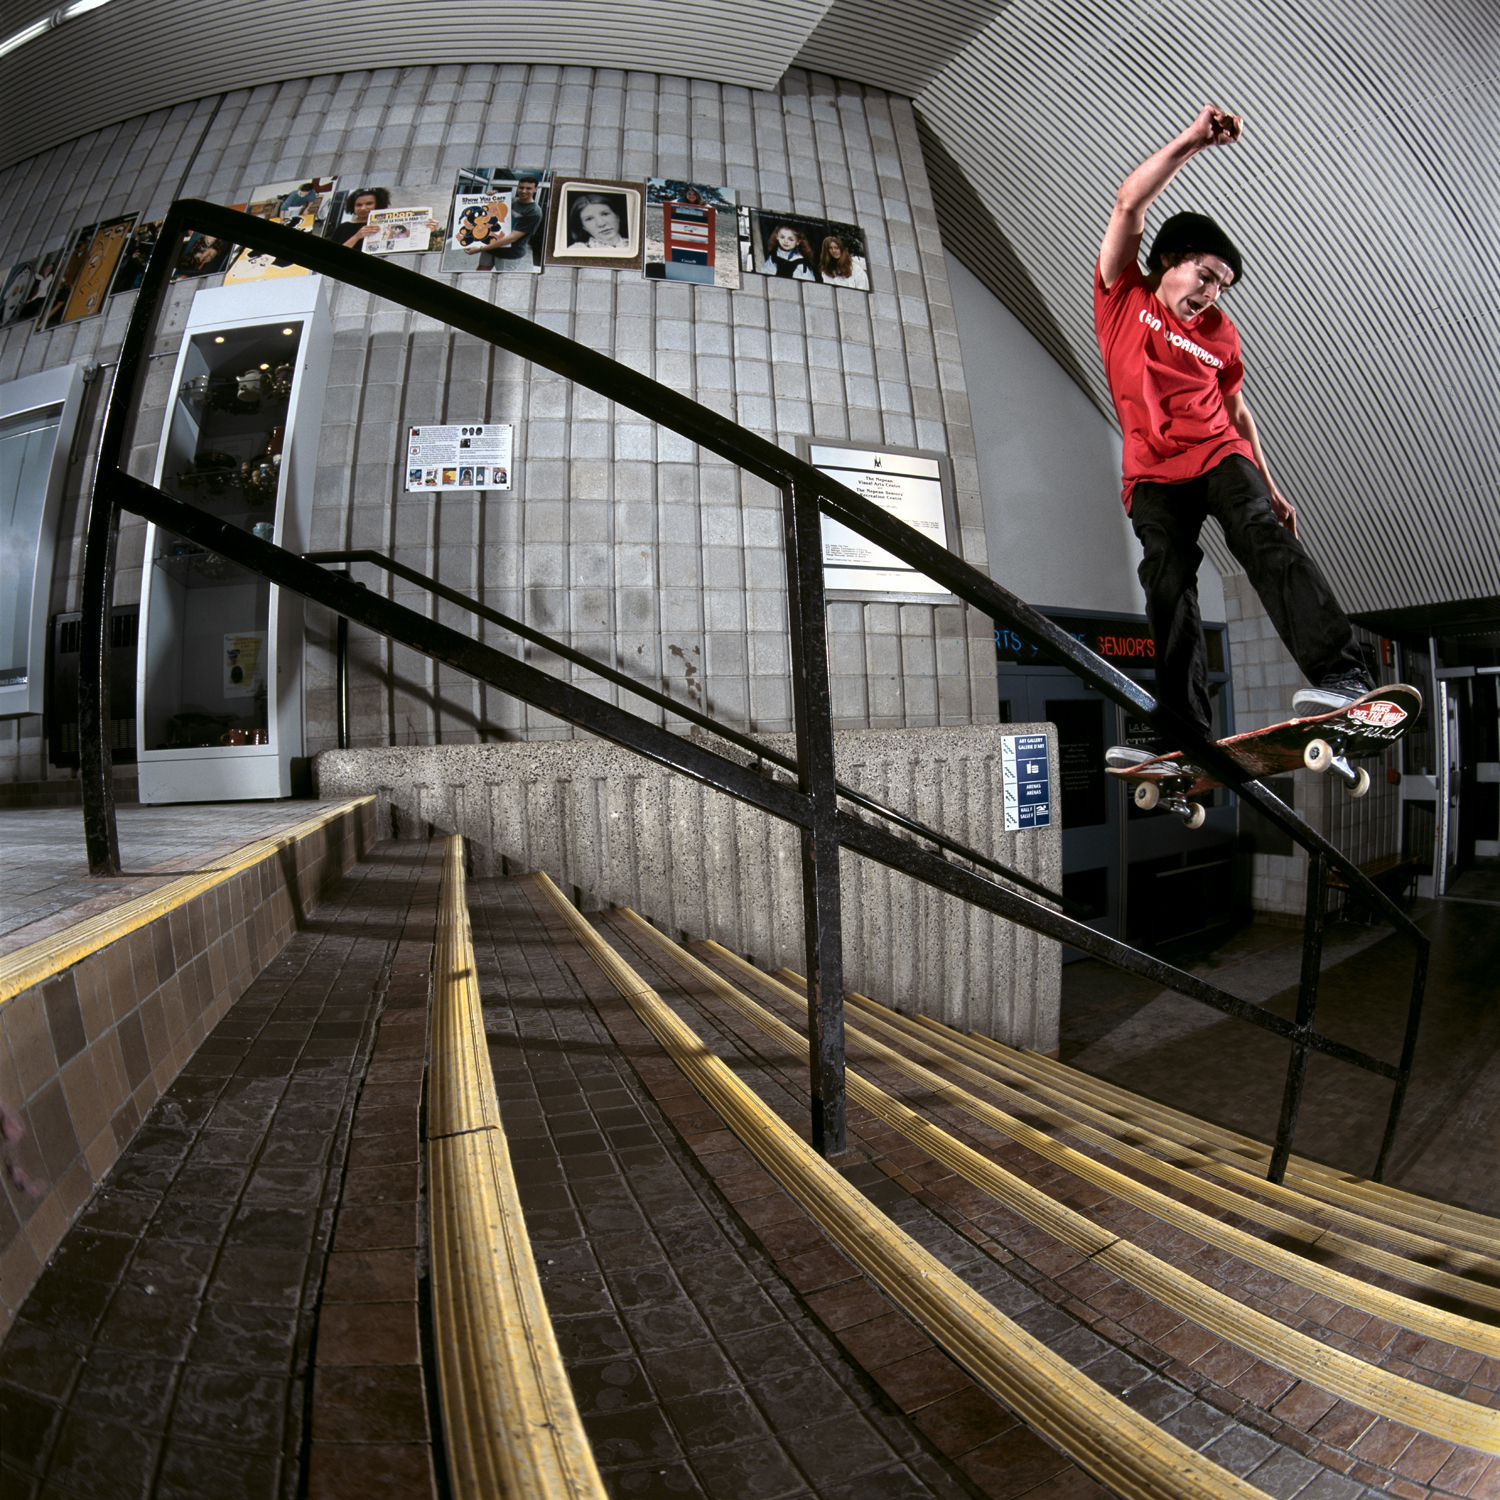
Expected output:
(1364, 194)
(137, 55)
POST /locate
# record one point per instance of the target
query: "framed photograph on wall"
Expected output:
(498, 220)
(797, 247)
(596, 221)
(15, 290)
(691, 233)
(83, 283)
(301, 204)
(915, 486)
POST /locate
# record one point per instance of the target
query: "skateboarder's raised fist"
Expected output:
(1215, 127)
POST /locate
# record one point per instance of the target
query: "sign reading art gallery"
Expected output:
(472, 457)
(913, 487)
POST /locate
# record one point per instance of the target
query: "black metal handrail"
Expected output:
(682, 710)
(813, 807)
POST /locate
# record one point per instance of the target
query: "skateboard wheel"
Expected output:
(1147, 795)
(1195, 818)
(1361, 784)
(1318, 755)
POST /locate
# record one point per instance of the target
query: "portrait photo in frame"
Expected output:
(596, 221)
(691, 233)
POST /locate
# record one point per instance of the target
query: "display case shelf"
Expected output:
(219, 679)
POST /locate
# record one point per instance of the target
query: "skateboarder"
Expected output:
(1191, 449)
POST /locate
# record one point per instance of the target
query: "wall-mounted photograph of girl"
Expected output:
(841, 257)
(595, 222)
(796, 247)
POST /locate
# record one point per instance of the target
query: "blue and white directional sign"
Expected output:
(1028, 789)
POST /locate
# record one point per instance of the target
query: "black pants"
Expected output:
(1167, 518)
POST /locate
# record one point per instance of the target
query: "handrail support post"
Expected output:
(1307, 1002)
(816, 775)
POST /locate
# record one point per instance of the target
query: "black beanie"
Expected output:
(1194, 234)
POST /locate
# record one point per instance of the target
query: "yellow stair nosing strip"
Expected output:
(1481, 1338)
(41, 960)
(1115, 1444)
(985, 1052)
(1425, 1213)
(1225, 1161)
(1401, 1400)
(510, 1422)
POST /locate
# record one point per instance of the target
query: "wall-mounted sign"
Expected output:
(1026, 783)
(912, 487)
(1126, 643)
(473, 457)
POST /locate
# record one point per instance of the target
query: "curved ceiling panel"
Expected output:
(1364, 200)
(138, 55)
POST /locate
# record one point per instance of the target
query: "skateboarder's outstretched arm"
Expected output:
(1122, 240)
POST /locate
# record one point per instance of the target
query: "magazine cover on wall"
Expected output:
(133, 262)
(202, 254)
(15, 290)
(691, 233)
(384, 220)
(83, 283)
(302, 203)
(803, 249)
(498, 218)
(45, 267)
(596, 221)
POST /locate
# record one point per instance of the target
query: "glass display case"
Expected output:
(219, 696)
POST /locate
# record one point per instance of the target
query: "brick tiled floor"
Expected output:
(1251, 1417)
(166, 1348)
(698, 1367)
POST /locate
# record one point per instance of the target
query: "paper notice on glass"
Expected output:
(911, 489)
(458, 458)
(401, 229)
(245, 664)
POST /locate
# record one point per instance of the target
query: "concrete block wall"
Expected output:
(1265, 678)
(620, 537)
(622, 832)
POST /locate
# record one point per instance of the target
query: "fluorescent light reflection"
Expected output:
(47, 23)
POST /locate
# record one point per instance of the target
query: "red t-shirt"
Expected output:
(1168, 380)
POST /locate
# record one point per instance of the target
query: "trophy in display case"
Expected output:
(219, 681)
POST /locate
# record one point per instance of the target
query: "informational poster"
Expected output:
(911, 489)
(245, 664)
(474, 457)
(1027, 784)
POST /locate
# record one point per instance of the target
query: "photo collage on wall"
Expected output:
(494, 220)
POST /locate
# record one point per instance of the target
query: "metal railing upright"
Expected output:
(813, 805)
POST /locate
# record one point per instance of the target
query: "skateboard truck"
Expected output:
(1147, 794)
(1319, 755)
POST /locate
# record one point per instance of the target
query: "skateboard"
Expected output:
(1323, 742)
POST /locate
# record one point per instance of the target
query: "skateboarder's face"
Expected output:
(1188, 289)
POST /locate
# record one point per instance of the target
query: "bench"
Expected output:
(1393, 874)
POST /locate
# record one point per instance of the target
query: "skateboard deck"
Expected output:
(1322, 742)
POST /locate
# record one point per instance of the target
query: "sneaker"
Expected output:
(1332, 694)
(1127, 757)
